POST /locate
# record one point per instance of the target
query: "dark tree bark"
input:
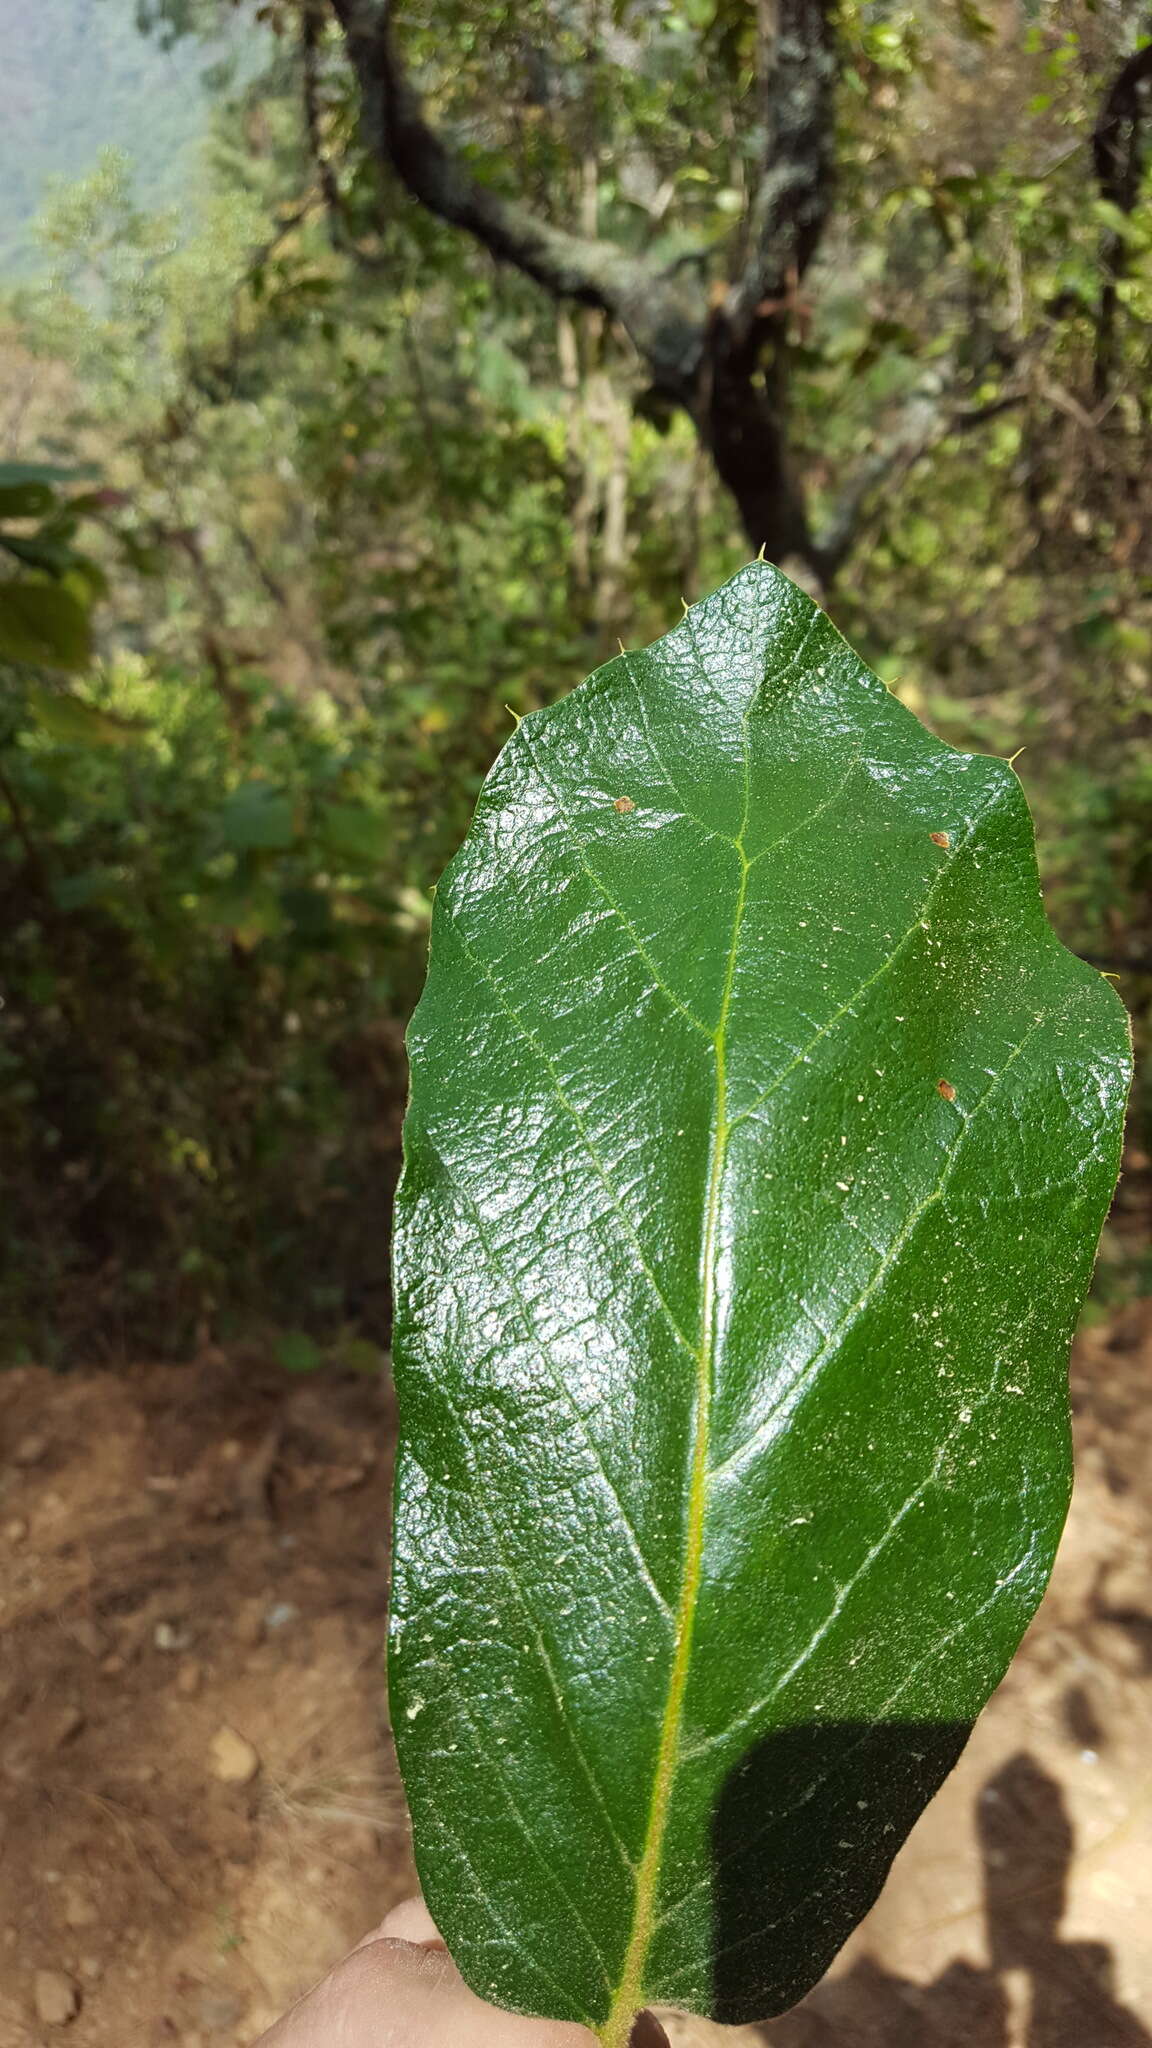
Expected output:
(743, 424)
(1118, 157)
(740, 399)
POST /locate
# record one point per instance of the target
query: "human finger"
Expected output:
(399, 1993)
(411, 1921)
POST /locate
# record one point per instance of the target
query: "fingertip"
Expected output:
(410, 1921)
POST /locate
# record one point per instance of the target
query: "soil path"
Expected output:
(198, 1805)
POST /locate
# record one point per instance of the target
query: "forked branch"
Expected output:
(582, 268)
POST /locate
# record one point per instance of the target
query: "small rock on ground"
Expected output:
(55, 1997)
(232, 1758)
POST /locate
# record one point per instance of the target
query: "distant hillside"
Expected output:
(75, 76)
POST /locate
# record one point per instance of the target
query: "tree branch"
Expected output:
(927, 418)
(793, 199)
(1117, 154)
(340, 230)
(923, 421)
(650, 303)
(741, 404)
(310, 19)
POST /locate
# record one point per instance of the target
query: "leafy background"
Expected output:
(342, 495)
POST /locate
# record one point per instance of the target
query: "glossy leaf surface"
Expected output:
(760, 1136)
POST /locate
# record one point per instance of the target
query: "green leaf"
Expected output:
(90, 885)
(258, 817)
(357, 1354)
(294, 1351)
(28, 500)
(55, 557)
(249, 912)
(43, 625)
(355, 833)
(975, 25)
(70, 719)
(760, 1136)
(15, 474)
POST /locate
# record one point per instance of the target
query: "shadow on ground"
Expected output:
(1038, 1990)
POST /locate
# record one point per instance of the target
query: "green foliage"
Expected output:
(344, 562)
(44, 604)
(760, 1137)
(77, 75)
(207, 935)
(42, 625)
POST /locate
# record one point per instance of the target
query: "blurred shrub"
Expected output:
(200, 1084)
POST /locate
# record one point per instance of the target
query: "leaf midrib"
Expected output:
(630, 1990)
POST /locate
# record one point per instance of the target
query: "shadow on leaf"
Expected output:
(805, 1831)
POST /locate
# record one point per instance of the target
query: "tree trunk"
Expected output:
(739, 413)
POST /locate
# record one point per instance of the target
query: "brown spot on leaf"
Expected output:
(940, 838)
(624, 803)
(946, 1090)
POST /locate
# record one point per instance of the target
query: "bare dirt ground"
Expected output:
(198, 1806)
